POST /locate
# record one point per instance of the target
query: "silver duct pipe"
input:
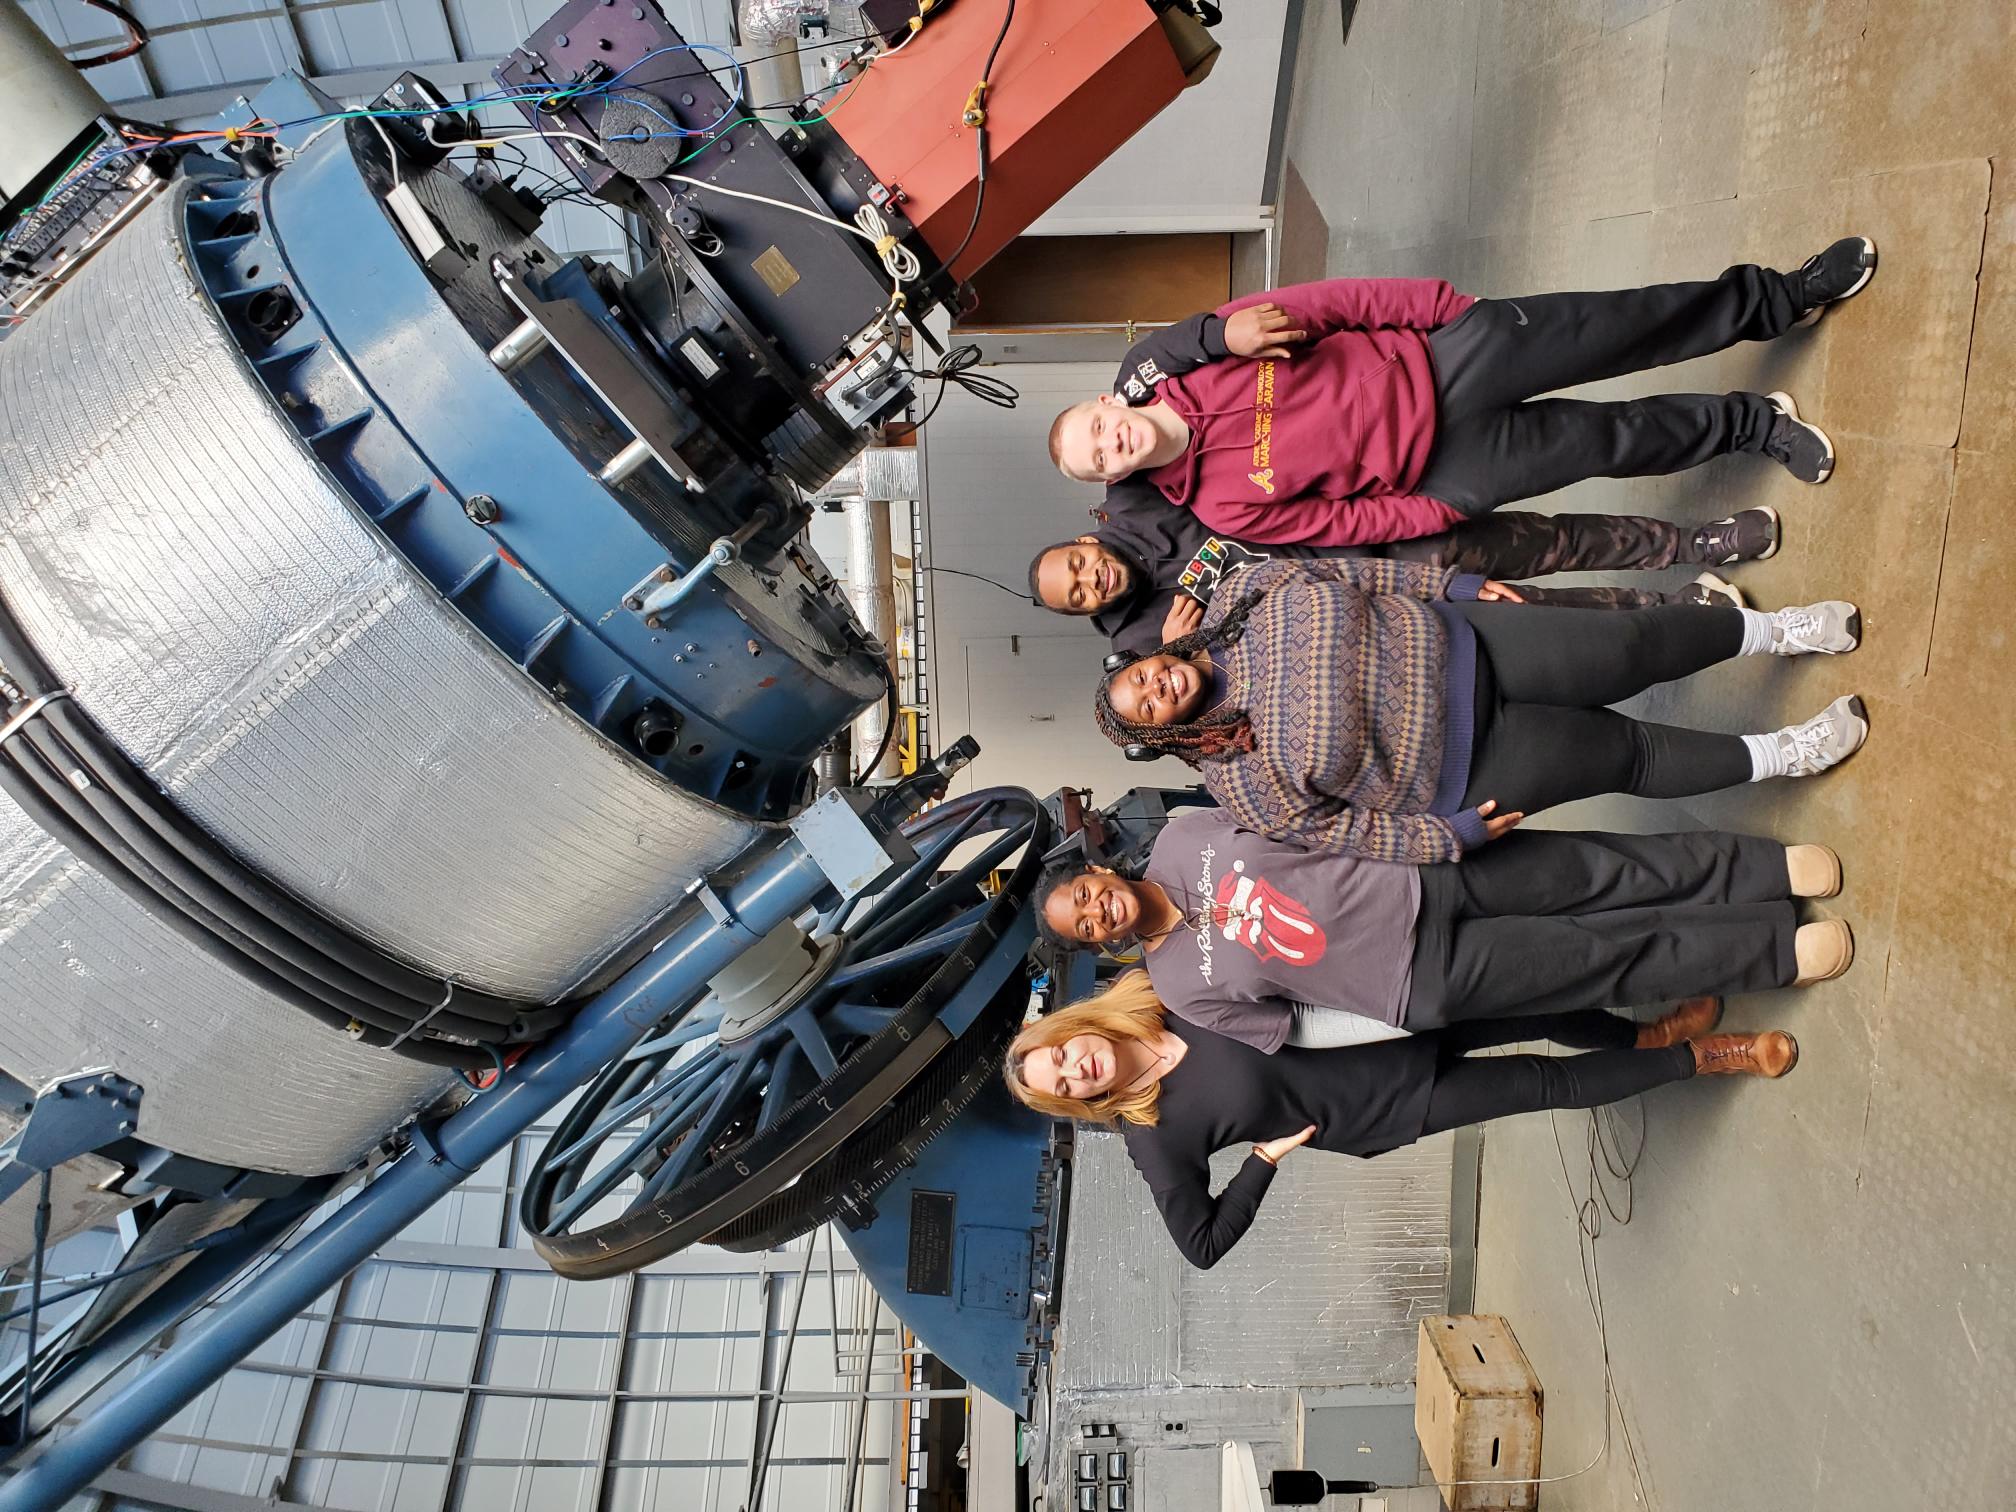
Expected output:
(768, 55)
(880, 472)
(836, 763)
(871, 585)
(45, 103)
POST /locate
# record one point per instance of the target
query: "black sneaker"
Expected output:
(1801, 447)
(1714, 593)
(1749, 535)
(1843, 269)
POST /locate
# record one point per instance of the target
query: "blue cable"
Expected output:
(734, 98)
(692, 47)
(498, 1058)
(497, 97)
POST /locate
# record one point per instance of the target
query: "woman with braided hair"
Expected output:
(1409, 713)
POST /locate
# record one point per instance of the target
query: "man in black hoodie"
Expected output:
(1147, 569)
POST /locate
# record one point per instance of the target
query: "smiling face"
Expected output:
(1157, 690)
(1081, 1068)
(1096, 907)
(1102, 441)
(1082, 578)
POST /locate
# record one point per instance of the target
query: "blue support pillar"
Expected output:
(769, 883)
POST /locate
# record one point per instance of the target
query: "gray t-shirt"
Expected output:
(1271, 925)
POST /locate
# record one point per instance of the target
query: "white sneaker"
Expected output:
(1826, 740)
(1825, 629)
(1715, 592)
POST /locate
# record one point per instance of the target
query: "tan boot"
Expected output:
(1692, 1019)
(1823, 950)
(1815, 871)
(1771, 1053)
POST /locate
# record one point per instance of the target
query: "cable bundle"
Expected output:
(957, 367)
(73, 781)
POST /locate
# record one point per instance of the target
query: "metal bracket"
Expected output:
(719, 911)
(71, 1117)
(427, 1140)
(847, 850)
(618, 377)
(654, 602)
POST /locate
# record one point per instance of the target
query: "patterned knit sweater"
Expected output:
(1360, 696)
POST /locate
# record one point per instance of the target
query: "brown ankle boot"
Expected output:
(1693, 1018)
(1771, 1053)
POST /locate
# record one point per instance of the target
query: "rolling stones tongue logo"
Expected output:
(1267, 921)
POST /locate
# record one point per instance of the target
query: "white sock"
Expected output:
(1767, 755)
(1760, 633)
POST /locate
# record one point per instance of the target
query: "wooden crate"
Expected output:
(1477, 1407)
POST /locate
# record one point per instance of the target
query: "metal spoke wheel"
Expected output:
(817, 1050)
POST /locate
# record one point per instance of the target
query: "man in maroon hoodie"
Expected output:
(1415, 408)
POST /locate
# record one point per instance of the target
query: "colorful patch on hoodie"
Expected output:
(1217, 559)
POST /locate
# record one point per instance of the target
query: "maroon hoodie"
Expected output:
(1323, 449)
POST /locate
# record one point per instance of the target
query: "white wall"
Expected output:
(1198, 166)
(1018, 678)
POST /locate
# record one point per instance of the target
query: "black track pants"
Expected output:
(1496, 442)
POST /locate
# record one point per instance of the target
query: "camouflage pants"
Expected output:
(1515, 544)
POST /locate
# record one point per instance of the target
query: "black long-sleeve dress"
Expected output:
(1363, 1100)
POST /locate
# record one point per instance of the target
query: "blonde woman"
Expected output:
(1178, 1093)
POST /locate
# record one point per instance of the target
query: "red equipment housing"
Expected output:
(1073, 81)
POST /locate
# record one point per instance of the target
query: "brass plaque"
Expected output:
(775, 269)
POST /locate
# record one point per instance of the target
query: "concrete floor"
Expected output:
(1814, 1303)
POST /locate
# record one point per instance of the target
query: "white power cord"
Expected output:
(489, 138)
(916, 25)
(900, 261)
(391, 152)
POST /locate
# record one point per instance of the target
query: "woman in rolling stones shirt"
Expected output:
(1272, 943)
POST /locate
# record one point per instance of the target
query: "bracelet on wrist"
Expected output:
(1266, 1157)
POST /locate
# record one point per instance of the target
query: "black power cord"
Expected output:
(889, 724)
(976, 114)
(981, 577)
(956, 366)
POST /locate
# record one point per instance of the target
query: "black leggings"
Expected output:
(1495, 442)
(1544, 675)
(1475, 1091)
